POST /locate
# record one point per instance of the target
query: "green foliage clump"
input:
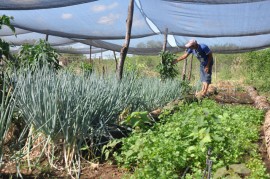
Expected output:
(4, 46)
(38, 55)
(137, 120)
(258, 69)
(166, 68)
(182, 141)
(87, 67)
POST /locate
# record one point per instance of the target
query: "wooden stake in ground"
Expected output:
(124, 49)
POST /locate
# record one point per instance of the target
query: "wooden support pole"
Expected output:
(101, 54)
(115, 59)
(47, 37)
(90, 54)
(215, 61)
(190, 68)
(184, 69)
(124, 49)
(103, 71)
(164, 44)
(165, 39)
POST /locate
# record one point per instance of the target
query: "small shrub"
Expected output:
(166, 68)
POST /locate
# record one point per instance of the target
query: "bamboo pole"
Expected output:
(124, 49)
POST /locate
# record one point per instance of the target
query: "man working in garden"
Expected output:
(204, 55)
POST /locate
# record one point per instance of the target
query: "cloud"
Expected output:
(108, 20)
(138, 22)
(100, 8)
(66, 16)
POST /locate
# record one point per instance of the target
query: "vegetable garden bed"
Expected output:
(177, 145)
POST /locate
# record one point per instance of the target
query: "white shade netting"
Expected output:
(227, 26)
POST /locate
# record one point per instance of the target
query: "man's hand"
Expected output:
(206, 69)
(175, 61)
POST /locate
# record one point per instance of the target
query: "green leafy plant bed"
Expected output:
(177, 146)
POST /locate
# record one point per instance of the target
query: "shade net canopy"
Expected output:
(5, 31)
(214, 20)
(78, 48)
(33, 37)
(230, 44)
(215, 1)
(150, 45)
(104, 19)
(38, 4)
(226, 26)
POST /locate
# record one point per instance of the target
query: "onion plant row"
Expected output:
(80, 109)
(6, 109)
